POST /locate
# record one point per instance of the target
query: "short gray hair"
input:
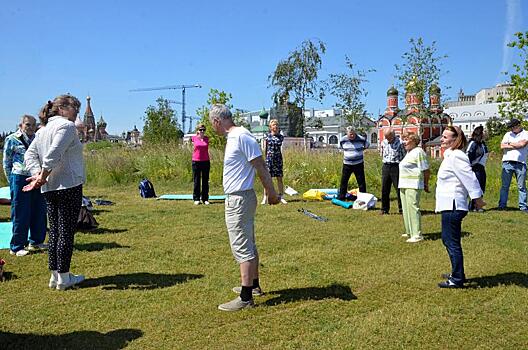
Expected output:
(220, 111)
(350, 128)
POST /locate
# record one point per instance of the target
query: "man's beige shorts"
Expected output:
(240, 210)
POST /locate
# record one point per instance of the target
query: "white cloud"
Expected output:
(513, 23)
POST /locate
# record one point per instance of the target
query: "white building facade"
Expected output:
(326, 127)
(470, 116)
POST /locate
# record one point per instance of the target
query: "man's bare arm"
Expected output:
(265, 179)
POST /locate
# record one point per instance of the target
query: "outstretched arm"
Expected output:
(265, 179)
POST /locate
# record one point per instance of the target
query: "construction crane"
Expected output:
(189, 118)
(174, 87)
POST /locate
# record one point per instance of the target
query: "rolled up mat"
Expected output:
(346, 205)
(327, 190)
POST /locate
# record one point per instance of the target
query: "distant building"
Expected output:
(470, 116)
(470, 111)
(483, 96)
(88, 130)
(287, 114)
(133, 137)
(463, 100)
(491, 95)
(326, 127)
(428, 123)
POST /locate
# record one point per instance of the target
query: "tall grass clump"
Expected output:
(109, 164)
(170, 162)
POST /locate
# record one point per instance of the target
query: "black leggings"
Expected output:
(63, 213)
(200, 172)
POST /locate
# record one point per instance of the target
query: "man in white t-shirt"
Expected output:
(515, 147)
(241, 159)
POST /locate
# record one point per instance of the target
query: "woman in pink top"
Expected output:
(200, 166)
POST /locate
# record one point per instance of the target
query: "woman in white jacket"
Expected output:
(55, 160)
(455, 182)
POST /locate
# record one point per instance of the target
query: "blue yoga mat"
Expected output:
(189, 196)
(5, 193)
(6, 229)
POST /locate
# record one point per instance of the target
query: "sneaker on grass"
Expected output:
(415, 239)
(449, 284)
(35, 247)
(21, 252)
(236, 305)
(256, 291)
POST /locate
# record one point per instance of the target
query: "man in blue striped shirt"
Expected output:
(353, 146)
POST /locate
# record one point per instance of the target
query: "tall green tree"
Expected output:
(516, 104)
(296, 76)
(349, 91)
(216, 96)
(160, 123)
(423, 64)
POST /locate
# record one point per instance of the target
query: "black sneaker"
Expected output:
(450, 284)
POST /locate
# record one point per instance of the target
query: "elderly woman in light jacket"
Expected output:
(455, 182)
(55, 160)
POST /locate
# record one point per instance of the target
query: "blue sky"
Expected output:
(106, 47)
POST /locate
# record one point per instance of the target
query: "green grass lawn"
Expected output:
(156, 271)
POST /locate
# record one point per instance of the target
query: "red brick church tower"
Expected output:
(89, 122)
(429, 122)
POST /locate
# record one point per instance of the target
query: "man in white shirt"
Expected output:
(392, 153)
(241, 159)
(515, 147)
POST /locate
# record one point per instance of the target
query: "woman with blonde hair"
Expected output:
(55, 160)
(272, 148)
(413, 178)
(455, 183)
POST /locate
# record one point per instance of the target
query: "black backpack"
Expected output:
(146, 189)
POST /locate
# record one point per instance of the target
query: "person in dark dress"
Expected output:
(272, 148)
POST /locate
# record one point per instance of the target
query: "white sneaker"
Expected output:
(207, 203)
(196, 202)
(264, 201)
(67, 280)
(415, 239)
(21, 252)
(405, 235)
(53, 279)
(283, 201)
